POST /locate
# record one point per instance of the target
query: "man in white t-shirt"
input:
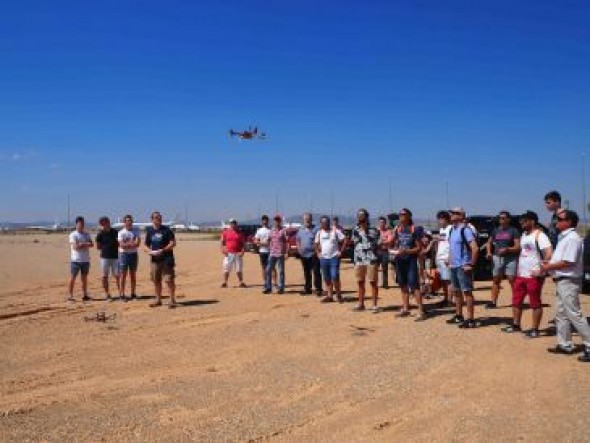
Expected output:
(567, 269)
(129, 240)
(534, 248)
(262, 239)
(442, 253)
(328, 245)
(80, 244)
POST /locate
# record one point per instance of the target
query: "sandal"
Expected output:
(359, 308)
(403, 313)
(155, 304)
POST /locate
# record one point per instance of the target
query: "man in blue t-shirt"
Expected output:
(159, 242)
(463, 252)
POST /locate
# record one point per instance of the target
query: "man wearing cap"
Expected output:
(232, 248)
(553, 205)
(277, 255)
(442, 253)
(463, 252)
(534, 248)
(567, 267)
(311, 263)
(502, 248)
(108, 244)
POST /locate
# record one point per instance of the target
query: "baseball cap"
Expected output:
(458, 209)
(233, 220)
(530, 215)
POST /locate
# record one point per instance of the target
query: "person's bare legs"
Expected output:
(405, 299)
(71, 284)
(516, 315)
(158, 290)
(133, 281)
(375, 292)
(338, 289)
(84, 279)
(225, 277)
(240, 277)
(105, 285)
(458, 303)
(496, 282)
(418, 297)
(124, 283)
(172, 290)
(537, 316)
(361, 288)
(330, 287)
(469, 301)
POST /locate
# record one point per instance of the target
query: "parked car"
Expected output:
(249, 231)
(349, 245)
(292, 242)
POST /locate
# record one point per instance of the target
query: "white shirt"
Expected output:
(128, 236)
(263, 234)
(529, 260)
(570, 248)
(328, 241)
(82, 255)
(442, 252)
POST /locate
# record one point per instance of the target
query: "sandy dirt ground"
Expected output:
(235, 365)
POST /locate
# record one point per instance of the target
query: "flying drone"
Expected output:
(250, 134)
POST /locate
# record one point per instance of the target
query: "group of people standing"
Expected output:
(119, 257)
(525, 256)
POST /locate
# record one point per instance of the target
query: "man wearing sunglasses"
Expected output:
(463, 252)
(566, 267)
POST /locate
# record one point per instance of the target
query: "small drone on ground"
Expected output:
(250, 134)
(101, 317)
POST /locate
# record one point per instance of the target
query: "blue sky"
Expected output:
(126, 106)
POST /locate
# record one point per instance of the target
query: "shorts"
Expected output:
(264, 259)
(461, 280)
(232, 261)
(162, 270)
(81, 267)
(531, 286)
(330, 269)
(406, 272)
(443, 270)
(109, 266)
(362, 272)
(504, 266)
(128, 262)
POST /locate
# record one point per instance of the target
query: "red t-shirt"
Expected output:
(234, 240)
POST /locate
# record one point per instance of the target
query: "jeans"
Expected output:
(272, 261)
(330, 269)
(383, 262)
(311, 265)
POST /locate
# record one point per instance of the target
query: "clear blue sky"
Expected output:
(126, 106)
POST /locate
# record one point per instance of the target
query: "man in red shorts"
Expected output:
(534, 248)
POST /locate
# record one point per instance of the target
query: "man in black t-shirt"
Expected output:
(159, 242)
(107, 243)
(503, 248)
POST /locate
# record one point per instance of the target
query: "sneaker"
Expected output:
(224, 285)
(266, 291)
(359, 308)
(403, 313)
(86, 298)
(561, 350)
(305, 292)
(243, 285)
(339, 298)
(108, 297)
(281, 291)
(375, 309)
(421, 317)
(155, 304)
(491, 305)
(585, 357)
(123, 298)
(172, 305)
(70, 299)
(319, 292)
(327, 299)
(133, 297)
(455, 320)
(532, 333)
(468, 324)
(511, 328)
